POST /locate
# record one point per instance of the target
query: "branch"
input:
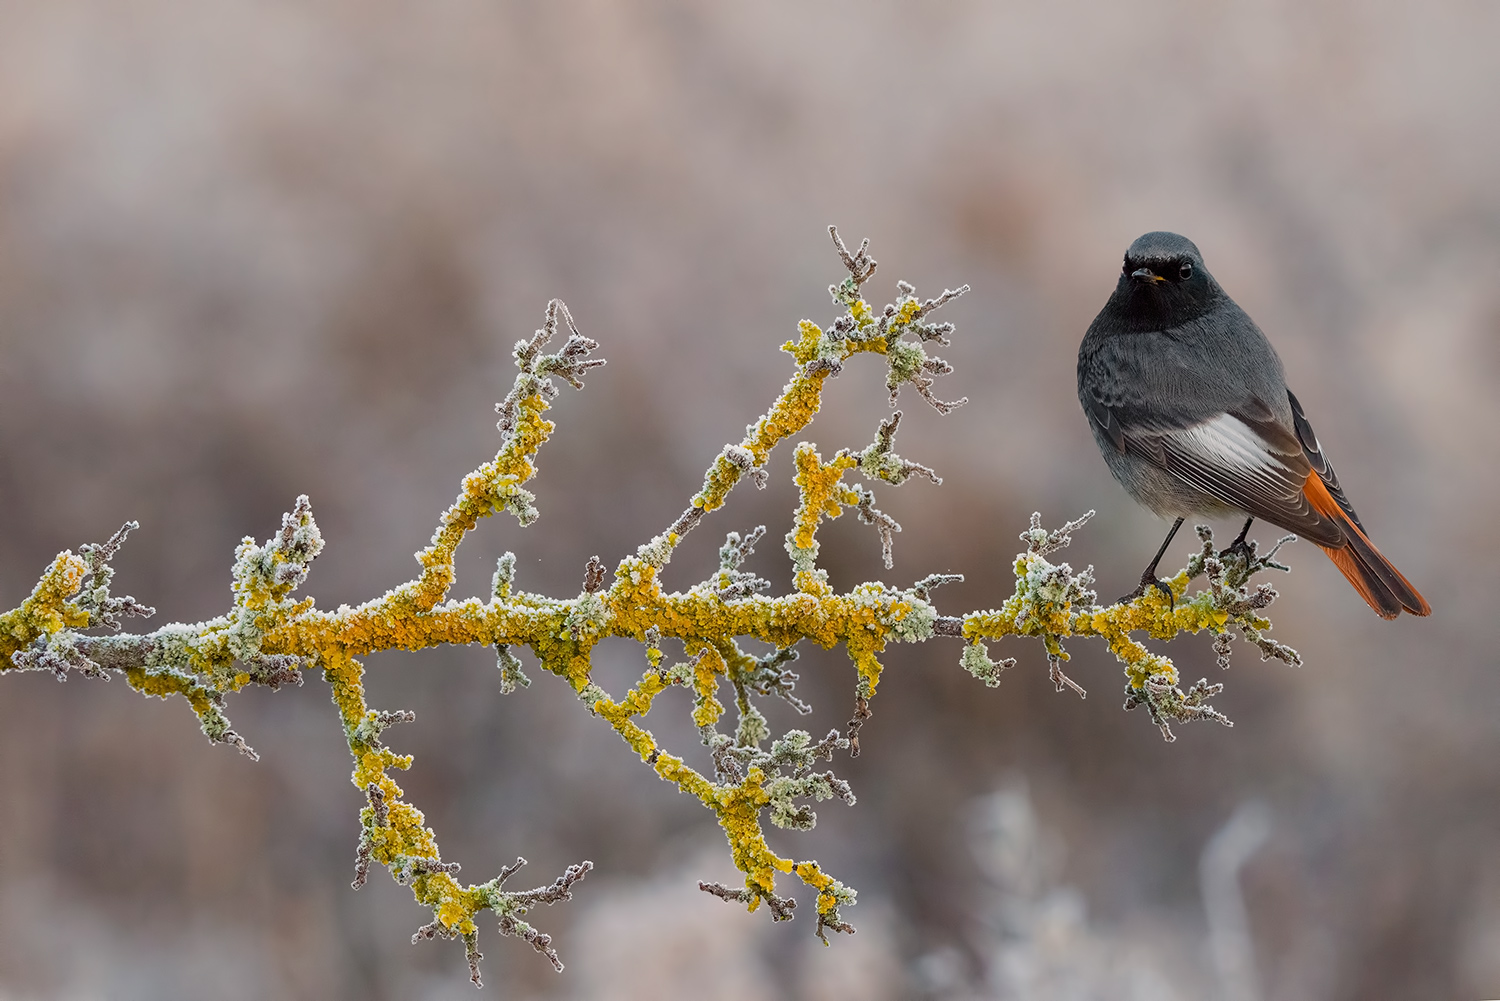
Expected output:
(271, 638)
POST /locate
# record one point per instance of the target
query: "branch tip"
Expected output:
(593, 575)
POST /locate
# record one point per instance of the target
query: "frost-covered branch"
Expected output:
(270, 637)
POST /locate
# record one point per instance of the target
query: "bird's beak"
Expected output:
(1145, 275)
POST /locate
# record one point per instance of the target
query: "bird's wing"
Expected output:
(1246, 461)
(1104, 419)
(1313, 450)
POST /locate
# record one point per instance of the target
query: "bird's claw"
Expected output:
(1239, 547)
(1149, 579)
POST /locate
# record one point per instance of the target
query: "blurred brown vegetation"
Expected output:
(253, 249)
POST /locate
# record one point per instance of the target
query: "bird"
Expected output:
(1188, 402)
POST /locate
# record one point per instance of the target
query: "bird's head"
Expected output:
(1163, 280)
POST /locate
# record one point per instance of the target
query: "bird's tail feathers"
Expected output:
(1375, 578)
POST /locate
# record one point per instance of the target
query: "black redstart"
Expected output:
(1189, 404)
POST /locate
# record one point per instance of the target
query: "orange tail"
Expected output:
(1373, 576)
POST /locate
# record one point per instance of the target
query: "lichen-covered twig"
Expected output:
(269, 637)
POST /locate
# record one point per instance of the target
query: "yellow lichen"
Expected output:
(197, 662)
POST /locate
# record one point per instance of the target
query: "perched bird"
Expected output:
(1189, 404)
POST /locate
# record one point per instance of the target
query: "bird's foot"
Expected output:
(1239, 547)
(1149, 579)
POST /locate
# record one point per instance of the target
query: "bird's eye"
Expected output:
(1185, 272)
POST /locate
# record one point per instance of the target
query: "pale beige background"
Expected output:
(253, 249)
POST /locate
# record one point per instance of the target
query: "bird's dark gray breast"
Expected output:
(1217, 363)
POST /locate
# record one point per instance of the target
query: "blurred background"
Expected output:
(254, 249)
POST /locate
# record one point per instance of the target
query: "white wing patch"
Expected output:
(1231, 461)
(1228, 459)
(1229, 444)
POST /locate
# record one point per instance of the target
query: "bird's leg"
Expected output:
(1239, 545)
(1149, 578)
